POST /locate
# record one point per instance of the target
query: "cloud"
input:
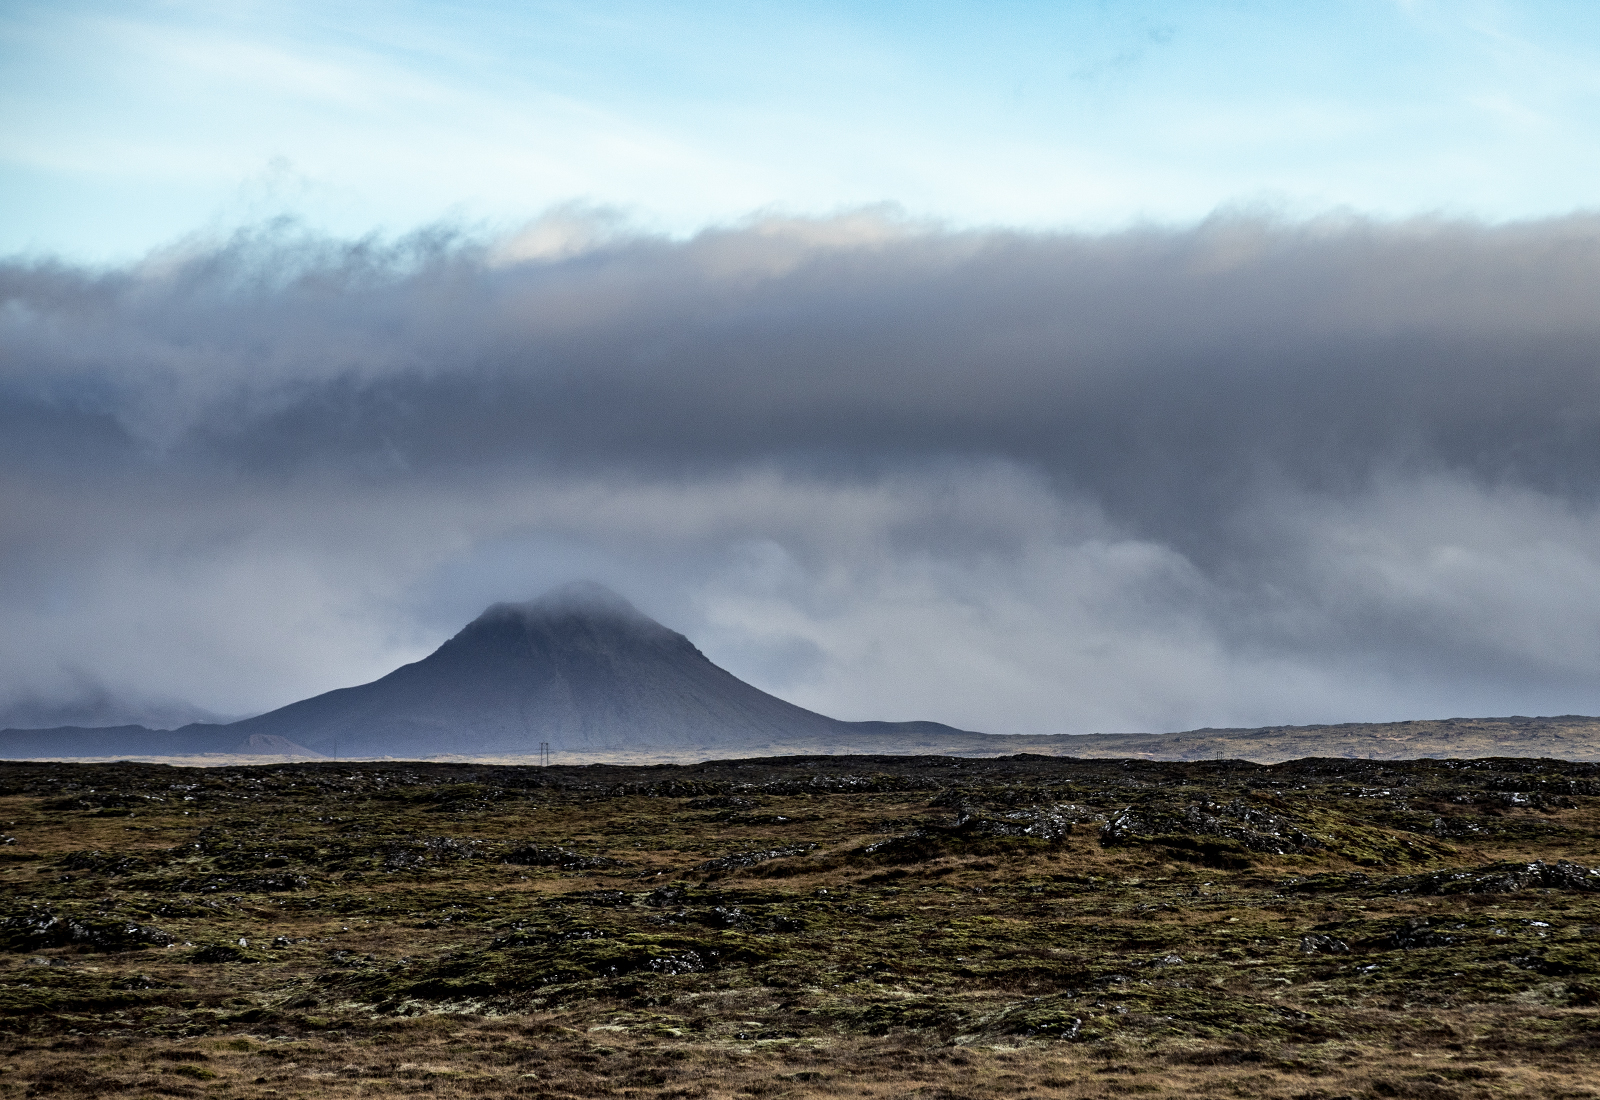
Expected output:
(1246, 471)
(76, 699)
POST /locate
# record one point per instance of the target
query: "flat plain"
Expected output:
(887, 926)
(1573, 737)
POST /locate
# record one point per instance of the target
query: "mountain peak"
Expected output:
(584, 597)
(575, 599)
(579, 666)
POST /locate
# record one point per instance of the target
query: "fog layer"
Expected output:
(1239, 473)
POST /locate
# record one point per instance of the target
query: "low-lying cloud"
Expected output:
(1240, 473)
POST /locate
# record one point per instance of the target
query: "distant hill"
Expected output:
(580, 668)
(1565, 737)
(584, 670)
(90, 705)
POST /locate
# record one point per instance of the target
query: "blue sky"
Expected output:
(127, 126)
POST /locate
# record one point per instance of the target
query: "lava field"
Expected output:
(826, 926)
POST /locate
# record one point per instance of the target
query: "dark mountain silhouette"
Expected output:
(580, 668)
(583, 669)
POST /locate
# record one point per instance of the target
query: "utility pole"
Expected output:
(544, 754)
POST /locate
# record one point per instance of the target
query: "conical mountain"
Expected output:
(580, 667)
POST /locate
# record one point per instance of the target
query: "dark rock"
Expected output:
(242, 884)
(1049, 823)
(39, 927)
(1313, 944)
(102, 863)
(1502, 878)
(535, 855)
(684, 962)
(720, 916)
(741, 860)
(1414, 933)
(1247, 826)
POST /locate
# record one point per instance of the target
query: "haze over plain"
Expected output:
(1045, 448)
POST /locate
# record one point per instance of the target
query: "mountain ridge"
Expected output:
(579, 667)
(1564, 737)
(583, 670)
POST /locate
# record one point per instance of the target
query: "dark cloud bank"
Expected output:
(1246, 472)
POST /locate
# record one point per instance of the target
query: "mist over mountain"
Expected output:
(91, 705)
(580, 668)
(1244, 472)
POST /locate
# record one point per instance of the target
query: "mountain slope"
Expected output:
(584, 670)
(579, 667)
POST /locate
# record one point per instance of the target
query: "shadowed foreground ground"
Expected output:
(840, 926)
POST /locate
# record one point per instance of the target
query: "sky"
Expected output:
(125, 126)
(1030, 367)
